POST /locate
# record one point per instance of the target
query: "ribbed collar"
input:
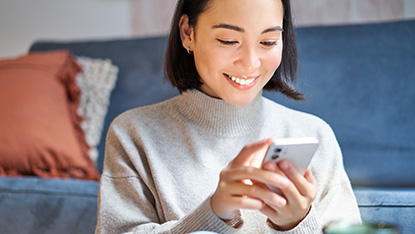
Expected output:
(217, 116)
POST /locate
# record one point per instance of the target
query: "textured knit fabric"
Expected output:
(96, 82)
(162, 164)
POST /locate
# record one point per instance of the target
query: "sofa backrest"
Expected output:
(359, 78)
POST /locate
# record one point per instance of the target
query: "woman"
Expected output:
(189, 164)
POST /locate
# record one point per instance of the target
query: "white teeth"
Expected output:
(241, 81)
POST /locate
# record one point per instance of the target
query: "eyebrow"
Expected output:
(239, 29)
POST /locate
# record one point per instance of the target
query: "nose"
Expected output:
(248, 59)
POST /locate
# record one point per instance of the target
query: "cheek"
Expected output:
(273, 60)
(203, 66)
(210, 61)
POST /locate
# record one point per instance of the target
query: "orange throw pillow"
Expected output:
(40, 130)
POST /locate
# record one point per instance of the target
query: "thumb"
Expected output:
(252, 154)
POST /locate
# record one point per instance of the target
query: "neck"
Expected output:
(219, 117)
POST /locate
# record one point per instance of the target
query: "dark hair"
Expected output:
(181, 69)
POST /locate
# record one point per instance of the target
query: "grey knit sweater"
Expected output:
(162, 164)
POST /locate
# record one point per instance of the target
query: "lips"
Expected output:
(241, 81)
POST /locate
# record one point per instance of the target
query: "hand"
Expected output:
(241, 184)
(299, 195)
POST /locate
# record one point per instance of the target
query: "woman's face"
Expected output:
(237, 46)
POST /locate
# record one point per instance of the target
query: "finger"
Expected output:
(241, 196)
(255, 174)
(258, 191)
(252, 153)
(245, 202)
(225, 205)
(269, 211)
(272, 166)
(300, 184)
(309, 176)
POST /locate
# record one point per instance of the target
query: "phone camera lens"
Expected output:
(277, 150)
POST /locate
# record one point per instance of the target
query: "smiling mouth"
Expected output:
(241, 81)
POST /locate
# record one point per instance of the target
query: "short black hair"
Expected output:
(181, 69)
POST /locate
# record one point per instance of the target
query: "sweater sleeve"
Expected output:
(309, 224)
(127, 200)
(335, 200)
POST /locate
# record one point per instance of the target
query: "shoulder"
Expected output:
(144, 121)
(295, 120)
(144, 114)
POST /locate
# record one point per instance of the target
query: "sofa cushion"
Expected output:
(40, 128)
(47, 206)
(388, 205)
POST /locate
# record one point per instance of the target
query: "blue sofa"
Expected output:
(359, 78)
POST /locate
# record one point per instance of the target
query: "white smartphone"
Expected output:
(298, 150)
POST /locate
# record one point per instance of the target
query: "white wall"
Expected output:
(24, 21)
(331, 12)
(151, 17)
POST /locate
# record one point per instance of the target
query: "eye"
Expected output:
(269, 43)
(227, 42)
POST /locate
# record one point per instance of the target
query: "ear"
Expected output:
(186, 32)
